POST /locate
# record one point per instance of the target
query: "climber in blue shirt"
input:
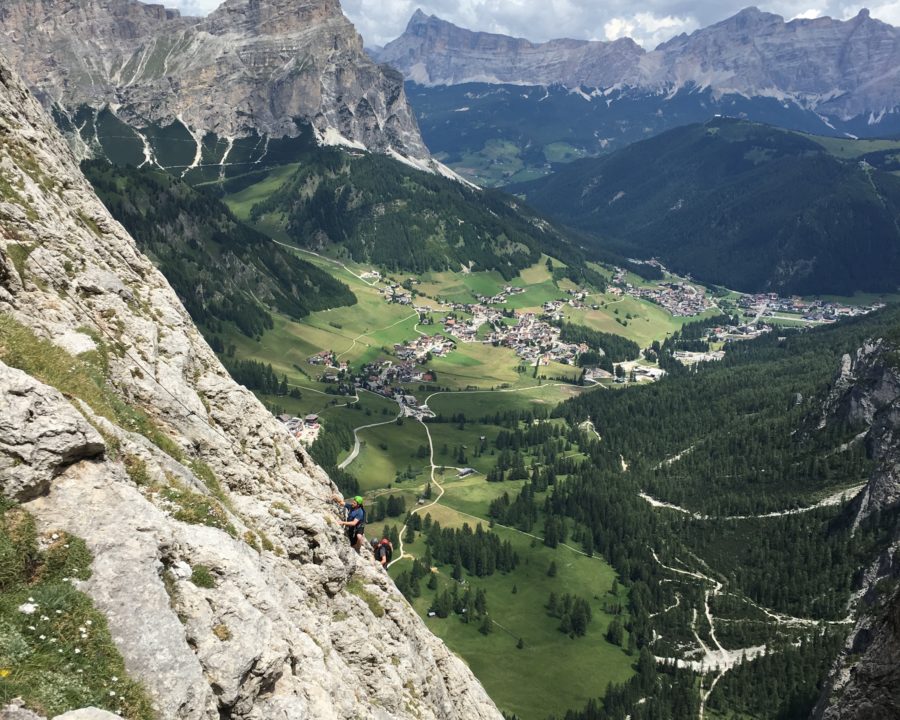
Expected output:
(356, 520)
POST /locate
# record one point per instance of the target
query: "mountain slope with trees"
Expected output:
(221, 269)
(385, 212)
(738, 204)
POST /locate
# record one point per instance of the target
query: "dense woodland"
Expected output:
(399, 218)
(615, 347)
(739, 437)
(747, 206)
(222, 270)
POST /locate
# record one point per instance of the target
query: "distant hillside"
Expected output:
(738, 204)
(385, 212)
(221, 269)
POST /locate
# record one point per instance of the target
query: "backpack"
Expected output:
(387, 548)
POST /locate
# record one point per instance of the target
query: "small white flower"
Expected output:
(32, 627)
(44, 618)
(66, 545)
(78, 651)
(31, 599)
(81, 629)
(54, 536)
(80, 670)
(114, 678)
(53, 640)
(42, 637)
(59, 612)
(60, 650)
(27, 608)
(112, 693)
(88, 622)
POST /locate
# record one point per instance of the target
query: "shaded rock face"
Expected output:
(866, 394)
(870, 689)
(250, 66)
(865, 681)
(288, 622)
(841, 68)
(40, 434)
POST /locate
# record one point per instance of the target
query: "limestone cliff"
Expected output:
(865, 681)
(124, 429)
(842, 69)
(251, 66)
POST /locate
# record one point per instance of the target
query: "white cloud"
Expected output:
(887, 12)
(810, 14)
(192, 8)
(646, 28)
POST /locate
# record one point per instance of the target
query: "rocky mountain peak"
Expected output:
(251, 67)
(119, 426)
(271, 17)
(433, 51)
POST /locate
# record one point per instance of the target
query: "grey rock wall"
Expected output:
(251, 65)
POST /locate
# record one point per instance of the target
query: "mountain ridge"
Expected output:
(738, 204)
(838, 68)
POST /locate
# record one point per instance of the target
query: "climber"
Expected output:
(383, 551)
(356, 520)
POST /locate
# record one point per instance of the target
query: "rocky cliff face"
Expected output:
(252, 66)
(841, 69)
(119, 425)
(435, 52)
(865, 681)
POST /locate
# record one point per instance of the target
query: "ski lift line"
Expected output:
(191, 413)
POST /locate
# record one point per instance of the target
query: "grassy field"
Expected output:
(848, 149)
(551, 672)
(648, 322)
(475, 405)
(387, 449)
(242, 203)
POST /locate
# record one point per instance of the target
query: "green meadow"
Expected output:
(551, 670)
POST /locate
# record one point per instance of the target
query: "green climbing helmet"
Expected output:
(359, 499)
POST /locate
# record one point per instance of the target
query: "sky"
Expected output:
(649, 22)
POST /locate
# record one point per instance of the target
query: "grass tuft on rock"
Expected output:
(356, 587)
(56, 651)
(196, 509)
(202, 577)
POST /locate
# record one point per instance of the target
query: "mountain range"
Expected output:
(838, 68)
(132, 465)
(498, 109)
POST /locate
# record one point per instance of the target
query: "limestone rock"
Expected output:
(251, 66)
(208, 489)
(90, 713)
(40, 434)
(865, 680)
(15, 711)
